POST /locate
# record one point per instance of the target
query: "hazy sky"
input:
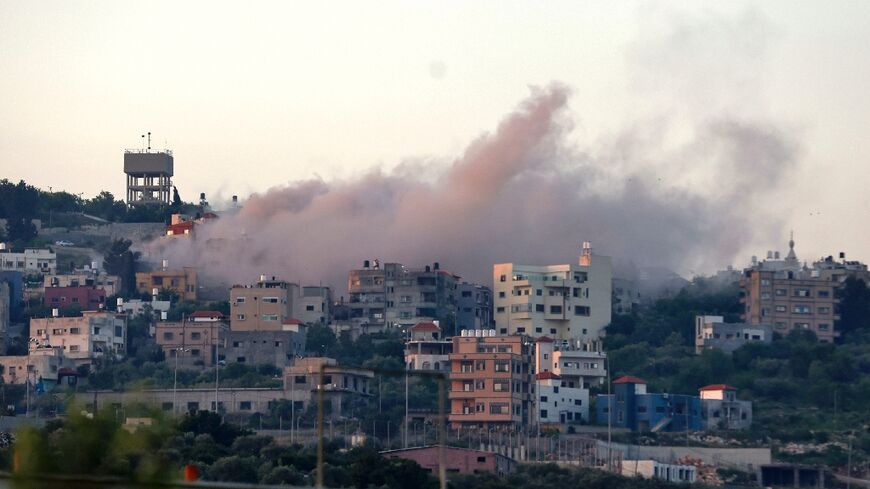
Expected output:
(251, 95)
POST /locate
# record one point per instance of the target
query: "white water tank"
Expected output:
(55, 312)
(492, 332)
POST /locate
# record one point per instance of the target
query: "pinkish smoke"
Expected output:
(519, 194)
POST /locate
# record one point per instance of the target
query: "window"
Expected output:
(781, 292)
(468, 386)
(481, 460)
(480, 365)
(824, 293)
(75, 331)
(555, 390)
(500, 309)
(245, 406)
(802, 309)
(240, 317)
(555, 309)
(765, 281)
(196, 335)
(194, 352)
(580, 277)
(539, 292)
(238, 344)
(75, 348)
(240, 359)
(479, 407)
(501, 294)
(168, 335)
(193, 406)
(801, 292)
(802, 325)
(466, 367)
(503, 278)
(578, 402)
(499, 408)
(641, 409)
(269, 317)
(298, 379)
(270, 300)
(539, 308)
(309, 307)
(240, 300)
(824, 310)
(781, 309)
(543, 414)
(480, 384)
(502, 366)
(823, 327)
(581, 310)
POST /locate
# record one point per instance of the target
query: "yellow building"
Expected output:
(182, 282)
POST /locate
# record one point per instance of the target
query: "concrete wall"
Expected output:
(746, 459)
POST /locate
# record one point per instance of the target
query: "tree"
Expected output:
(20, 229)
(211, 423)
(121, 261)
(853, 307)
(320, 340)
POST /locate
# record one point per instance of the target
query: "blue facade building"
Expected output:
(15, 279)
(630, 406)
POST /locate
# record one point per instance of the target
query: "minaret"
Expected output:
(791, 258)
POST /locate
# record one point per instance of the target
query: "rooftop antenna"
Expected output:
(149, 140)
(143, 141)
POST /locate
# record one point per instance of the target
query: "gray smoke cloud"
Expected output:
(521, 193)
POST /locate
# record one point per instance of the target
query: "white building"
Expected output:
(33, 260)
(39, 364)
(561, 301)
(557, 403)
(713, 332)
(578, 364)
(83, 338)
(426, 349)
(651, 469)
(721, 410)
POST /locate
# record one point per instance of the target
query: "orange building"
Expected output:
(490, 380)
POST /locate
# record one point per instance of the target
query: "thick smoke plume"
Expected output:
(522, 193)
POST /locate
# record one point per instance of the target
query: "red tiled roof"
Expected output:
(425, 327)
(206, 314)
(628, 379)
(718, 387)
(291, 321)
(547, 375)
(209, 215)
(545, 339)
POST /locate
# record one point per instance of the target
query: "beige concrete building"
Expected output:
(109, 283)
(195, 341)
(490, 381)
(271, 304)
(39, 364)
(263, 306)
(183, 282)
(787, 295)
(337, 383)
(33, 260)
(560, 301)
(82, 339)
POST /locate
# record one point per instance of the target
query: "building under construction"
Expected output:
(149, 176)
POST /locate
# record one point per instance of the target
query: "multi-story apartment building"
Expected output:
(632, 407)
(88, 297)
(33, 260)
(337, 383)
(313, 305)
(490, 380)
(395, 296)
(263, 306)
(83, 338)
(39, 365)
(272, 304)
(557, 403)
(109, 283)
(473, 306)
(561, 301)
(278, 348)
(713, 332)
(183, 282)
(790, 296)
(426, 349)
(195, 341)
(578, 364)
